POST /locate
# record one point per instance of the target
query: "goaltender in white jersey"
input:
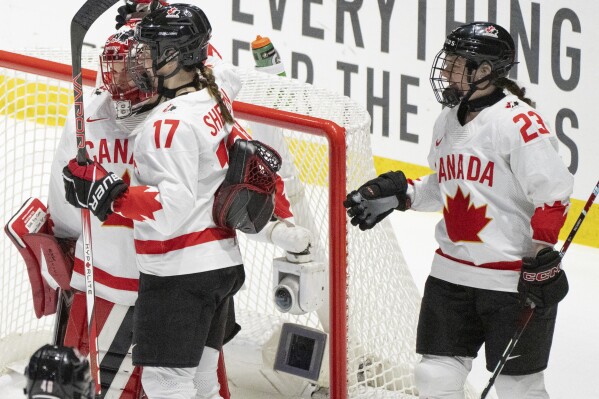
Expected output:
(114, 257)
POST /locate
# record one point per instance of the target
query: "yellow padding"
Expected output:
(39, 102)
(588, 234)
(311, 160)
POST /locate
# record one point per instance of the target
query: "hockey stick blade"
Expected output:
(530, 311)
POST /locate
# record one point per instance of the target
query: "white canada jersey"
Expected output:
(501, 186)
(181, 159)
(115, 272)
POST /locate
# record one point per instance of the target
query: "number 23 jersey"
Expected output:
(502, 187)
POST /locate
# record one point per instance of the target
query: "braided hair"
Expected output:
(205, 79)
(512, 87)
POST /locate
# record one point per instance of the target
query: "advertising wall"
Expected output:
(379, 53)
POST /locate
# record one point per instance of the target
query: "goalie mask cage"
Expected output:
(372, 307)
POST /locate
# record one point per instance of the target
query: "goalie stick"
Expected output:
(527, 315)
(82, 21)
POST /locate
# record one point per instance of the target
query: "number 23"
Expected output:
(528, 123)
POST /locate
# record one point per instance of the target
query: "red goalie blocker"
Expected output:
(49, 266)
(245, 200)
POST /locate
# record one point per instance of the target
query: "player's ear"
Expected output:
(483, 70)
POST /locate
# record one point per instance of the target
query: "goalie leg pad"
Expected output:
(47, 264)
(56, 266)
(120, 379)
(245, 201)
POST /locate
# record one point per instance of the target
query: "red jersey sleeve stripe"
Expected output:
(547, 221)
(156, 247)
(282, 205)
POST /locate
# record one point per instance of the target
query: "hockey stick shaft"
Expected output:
(581, 217)
(82, 21)
(528, 313)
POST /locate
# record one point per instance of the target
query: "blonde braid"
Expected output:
(214, 91)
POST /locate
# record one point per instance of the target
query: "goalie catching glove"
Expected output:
(90, 186)
(376, 199)
(245, 200)
(542, 281)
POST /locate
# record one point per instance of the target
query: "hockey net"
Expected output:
(325, 137)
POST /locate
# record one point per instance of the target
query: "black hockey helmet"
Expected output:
(177, 30)
(58, 372)
(477, 43)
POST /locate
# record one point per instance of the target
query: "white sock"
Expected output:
(530, 386)
(206, 378)
(168, 383)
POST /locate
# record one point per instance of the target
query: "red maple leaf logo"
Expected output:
(138, 203)
(114, 219)
(463, 220)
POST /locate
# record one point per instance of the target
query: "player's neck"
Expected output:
(181, 81)
(477, 102)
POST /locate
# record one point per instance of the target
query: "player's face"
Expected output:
(454, 71)
(120, 77)
(140, 68)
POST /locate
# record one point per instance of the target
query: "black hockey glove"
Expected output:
(542, 281)
(91, 186)
(134, 9)
(376, 199)
(125, 13)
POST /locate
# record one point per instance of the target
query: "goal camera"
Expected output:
(299, 287)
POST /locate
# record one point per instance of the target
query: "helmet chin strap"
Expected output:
(478, 104)
(172, 93)
(167, 92)
(158, 65)
(473, 86)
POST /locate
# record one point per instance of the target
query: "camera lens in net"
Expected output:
(283, 298)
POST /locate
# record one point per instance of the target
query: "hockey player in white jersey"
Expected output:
(504, 193)
(190, 265)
